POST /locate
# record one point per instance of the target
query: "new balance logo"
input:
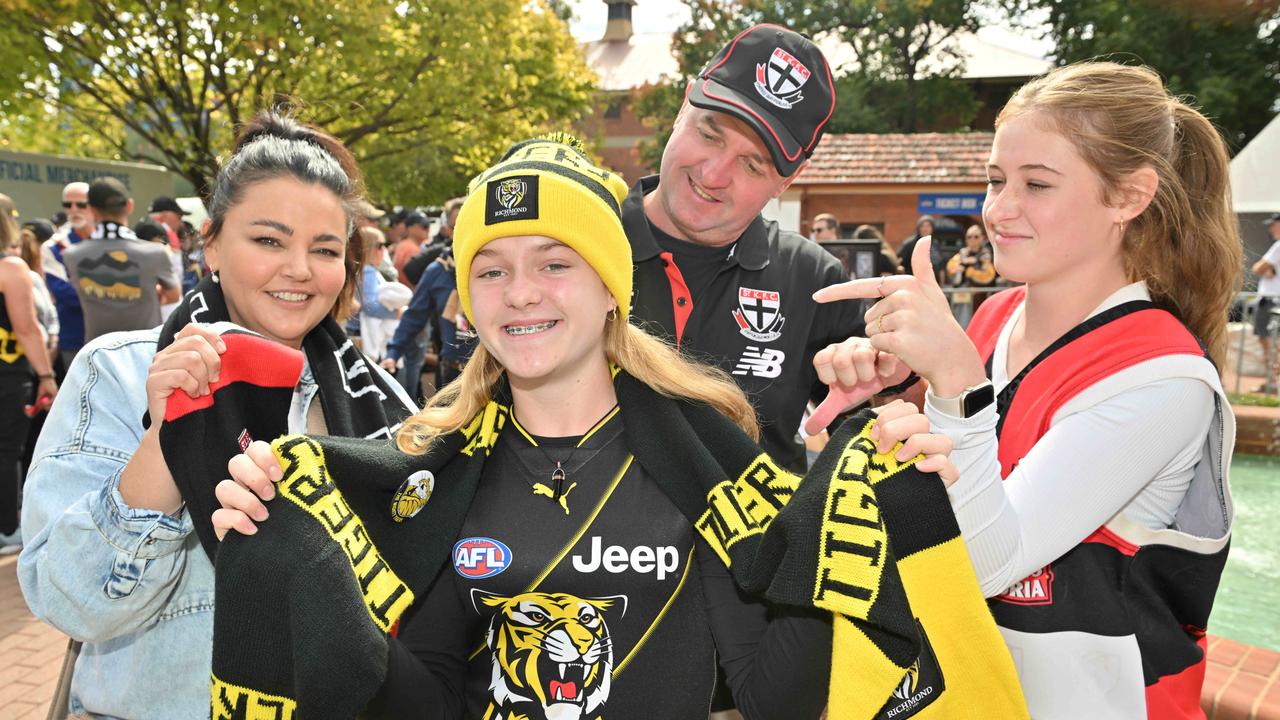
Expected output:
(760, 362)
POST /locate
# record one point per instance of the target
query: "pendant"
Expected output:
(557, 475)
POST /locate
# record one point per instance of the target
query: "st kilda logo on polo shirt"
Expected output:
(758, 315)
(780, 78)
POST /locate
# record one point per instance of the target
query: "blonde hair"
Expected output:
(371, 239)
(647, 358)
(1186, 243)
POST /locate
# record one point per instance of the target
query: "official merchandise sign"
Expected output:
(35, 181)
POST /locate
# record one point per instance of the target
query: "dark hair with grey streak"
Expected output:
(274, 145)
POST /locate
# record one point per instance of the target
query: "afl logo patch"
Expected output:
(480, 557)
(412, 495)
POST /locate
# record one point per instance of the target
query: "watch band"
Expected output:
(968, 403)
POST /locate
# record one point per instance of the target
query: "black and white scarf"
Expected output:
(355, 399)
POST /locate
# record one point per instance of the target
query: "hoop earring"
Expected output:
(612, 315)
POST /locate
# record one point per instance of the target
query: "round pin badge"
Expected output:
(413, 495)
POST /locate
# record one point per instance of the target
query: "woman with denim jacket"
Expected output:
(111, 558)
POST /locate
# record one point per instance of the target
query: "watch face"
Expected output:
(978, 398)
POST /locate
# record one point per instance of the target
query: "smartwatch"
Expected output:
(967, 403)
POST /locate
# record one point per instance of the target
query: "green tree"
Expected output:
(1224, 54)
(425, 93)
(901, 77)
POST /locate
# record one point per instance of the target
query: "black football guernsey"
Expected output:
(12, 358)
(590, 600)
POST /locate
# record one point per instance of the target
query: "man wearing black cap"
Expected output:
(120, 279)
(1268, 298)
(169, 213)
(711, 275)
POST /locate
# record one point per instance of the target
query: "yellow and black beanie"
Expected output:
(549, 187)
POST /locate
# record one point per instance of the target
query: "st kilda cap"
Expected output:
(778, 82)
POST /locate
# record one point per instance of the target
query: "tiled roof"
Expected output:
(899, 158)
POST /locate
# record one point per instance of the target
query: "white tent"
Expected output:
(1255, 172)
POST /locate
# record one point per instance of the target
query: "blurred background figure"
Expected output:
(77, 226)
(887, 260)
(972, 267)
(122, 281)
(381, 302)
(1268, 302)
(23, 353)
(826, 228)
(417, 230)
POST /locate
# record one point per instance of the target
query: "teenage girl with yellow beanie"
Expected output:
(624, 531)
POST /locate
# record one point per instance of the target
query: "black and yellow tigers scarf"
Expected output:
(304, 608)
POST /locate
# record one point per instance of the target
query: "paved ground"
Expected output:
(30, 652)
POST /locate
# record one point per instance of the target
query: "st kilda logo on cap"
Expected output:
(780, 78)
(511, 198)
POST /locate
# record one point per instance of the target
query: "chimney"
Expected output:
(619, 27)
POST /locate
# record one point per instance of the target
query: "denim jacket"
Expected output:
(133, 584)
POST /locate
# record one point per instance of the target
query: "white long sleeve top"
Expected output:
(1129, 444)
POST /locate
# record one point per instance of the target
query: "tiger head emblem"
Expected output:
(552, 653)
(510, 192)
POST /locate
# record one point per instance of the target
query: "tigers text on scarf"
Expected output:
(305, 607)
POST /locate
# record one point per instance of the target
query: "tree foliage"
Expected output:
(425, 93)
(1225, 54)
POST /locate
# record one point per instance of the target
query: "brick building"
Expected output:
(888, 180)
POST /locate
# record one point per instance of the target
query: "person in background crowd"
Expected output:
(22, 354)
(442, 241)
(193, 267)
(434, 304)
(887, 260)
(377, 321)
(395, 228)
(32, 237)
(417, 227)
(925, 227)
(367, 216)
(79, 226)
(152, 231)
(826, 228)
(972, 267)
(413, 356)
(111, 556)
(1268, 300)
(1093, 436)
(122, 281)
(166, 211)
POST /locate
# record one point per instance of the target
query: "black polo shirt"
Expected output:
(756, 318)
